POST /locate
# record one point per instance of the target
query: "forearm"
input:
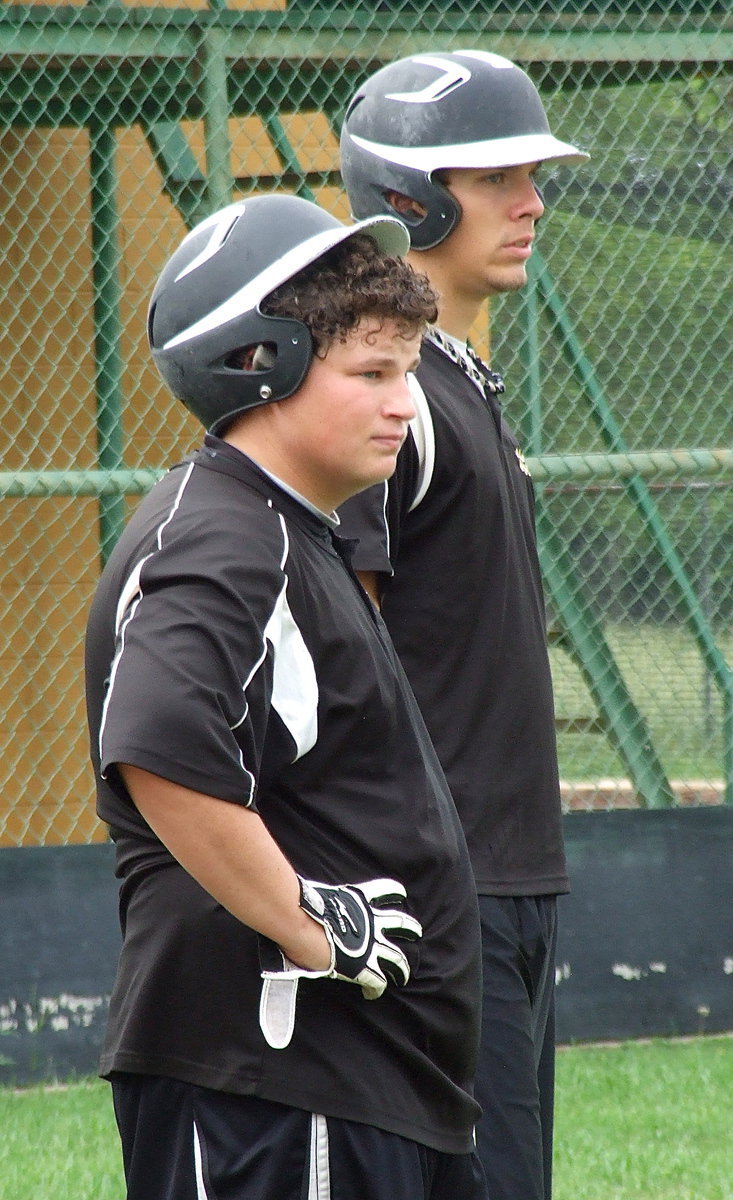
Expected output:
(229, 851)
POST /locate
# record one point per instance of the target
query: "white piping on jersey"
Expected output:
(385, 522)
(294, 683)
(330, 519)
(201, 1192)
(319, 1178)
(423, 432)
(130, 596)
(295, 687)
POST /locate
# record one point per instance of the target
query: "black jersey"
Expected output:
(454, 532)
(231, 649)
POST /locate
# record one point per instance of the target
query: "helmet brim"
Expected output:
(498, 152)
(389, 233)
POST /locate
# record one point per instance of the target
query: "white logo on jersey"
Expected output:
(222, 224)
(451, 75)
(522, 461)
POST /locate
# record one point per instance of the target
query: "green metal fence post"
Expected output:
(183, 180)
(582, 632)
(107, 322)
(624, 725)
(215, 88)
(529, 356)
(286, 153)
(646, 507)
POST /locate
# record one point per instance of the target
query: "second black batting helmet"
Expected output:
(465, 108)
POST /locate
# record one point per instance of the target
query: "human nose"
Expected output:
(530, 203)
(400, 402)
(539, 201)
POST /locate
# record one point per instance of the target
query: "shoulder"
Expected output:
(197, 525)
(210, 505)
(440, 376)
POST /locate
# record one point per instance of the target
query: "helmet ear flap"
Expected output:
(443, 212)
(205, 309)
(271, 363)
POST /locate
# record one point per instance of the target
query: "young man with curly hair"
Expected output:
(282, 826)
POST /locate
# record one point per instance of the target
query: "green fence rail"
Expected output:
(546, 468)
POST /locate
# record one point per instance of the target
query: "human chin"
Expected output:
(380, 468)
(510, 280)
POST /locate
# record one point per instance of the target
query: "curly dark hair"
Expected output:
(353, 280)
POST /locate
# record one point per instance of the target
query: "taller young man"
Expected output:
(276, 804)
(452, 143)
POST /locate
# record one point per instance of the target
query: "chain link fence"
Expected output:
(122, 124)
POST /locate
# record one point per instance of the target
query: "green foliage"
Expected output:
(639, 244)
(625, 572)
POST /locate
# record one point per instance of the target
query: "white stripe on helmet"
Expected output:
(497, 152)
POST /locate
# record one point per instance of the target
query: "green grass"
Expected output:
(59, 1144)
(640, 1121)
(645, 1121)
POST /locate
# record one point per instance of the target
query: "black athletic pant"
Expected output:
(181, 1142)
(515, 1083)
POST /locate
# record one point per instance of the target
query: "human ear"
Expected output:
(405, 206)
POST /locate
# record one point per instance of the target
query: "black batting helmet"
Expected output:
(465, 108)
(205, 307)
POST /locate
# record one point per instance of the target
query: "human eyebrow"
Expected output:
(375, 366)
(377, 363)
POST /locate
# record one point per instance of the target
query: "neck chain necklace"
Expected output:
(469, 362)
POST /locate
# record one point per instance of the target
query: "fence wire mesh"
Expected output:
(122, 124)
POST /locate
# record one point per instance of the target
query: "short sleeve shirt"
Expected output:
(230, 649)
(463, 601)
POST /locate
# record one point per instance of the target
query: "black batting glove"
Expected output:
(360, 920)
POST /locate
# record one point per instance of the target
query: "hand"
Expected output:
(357, 919)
